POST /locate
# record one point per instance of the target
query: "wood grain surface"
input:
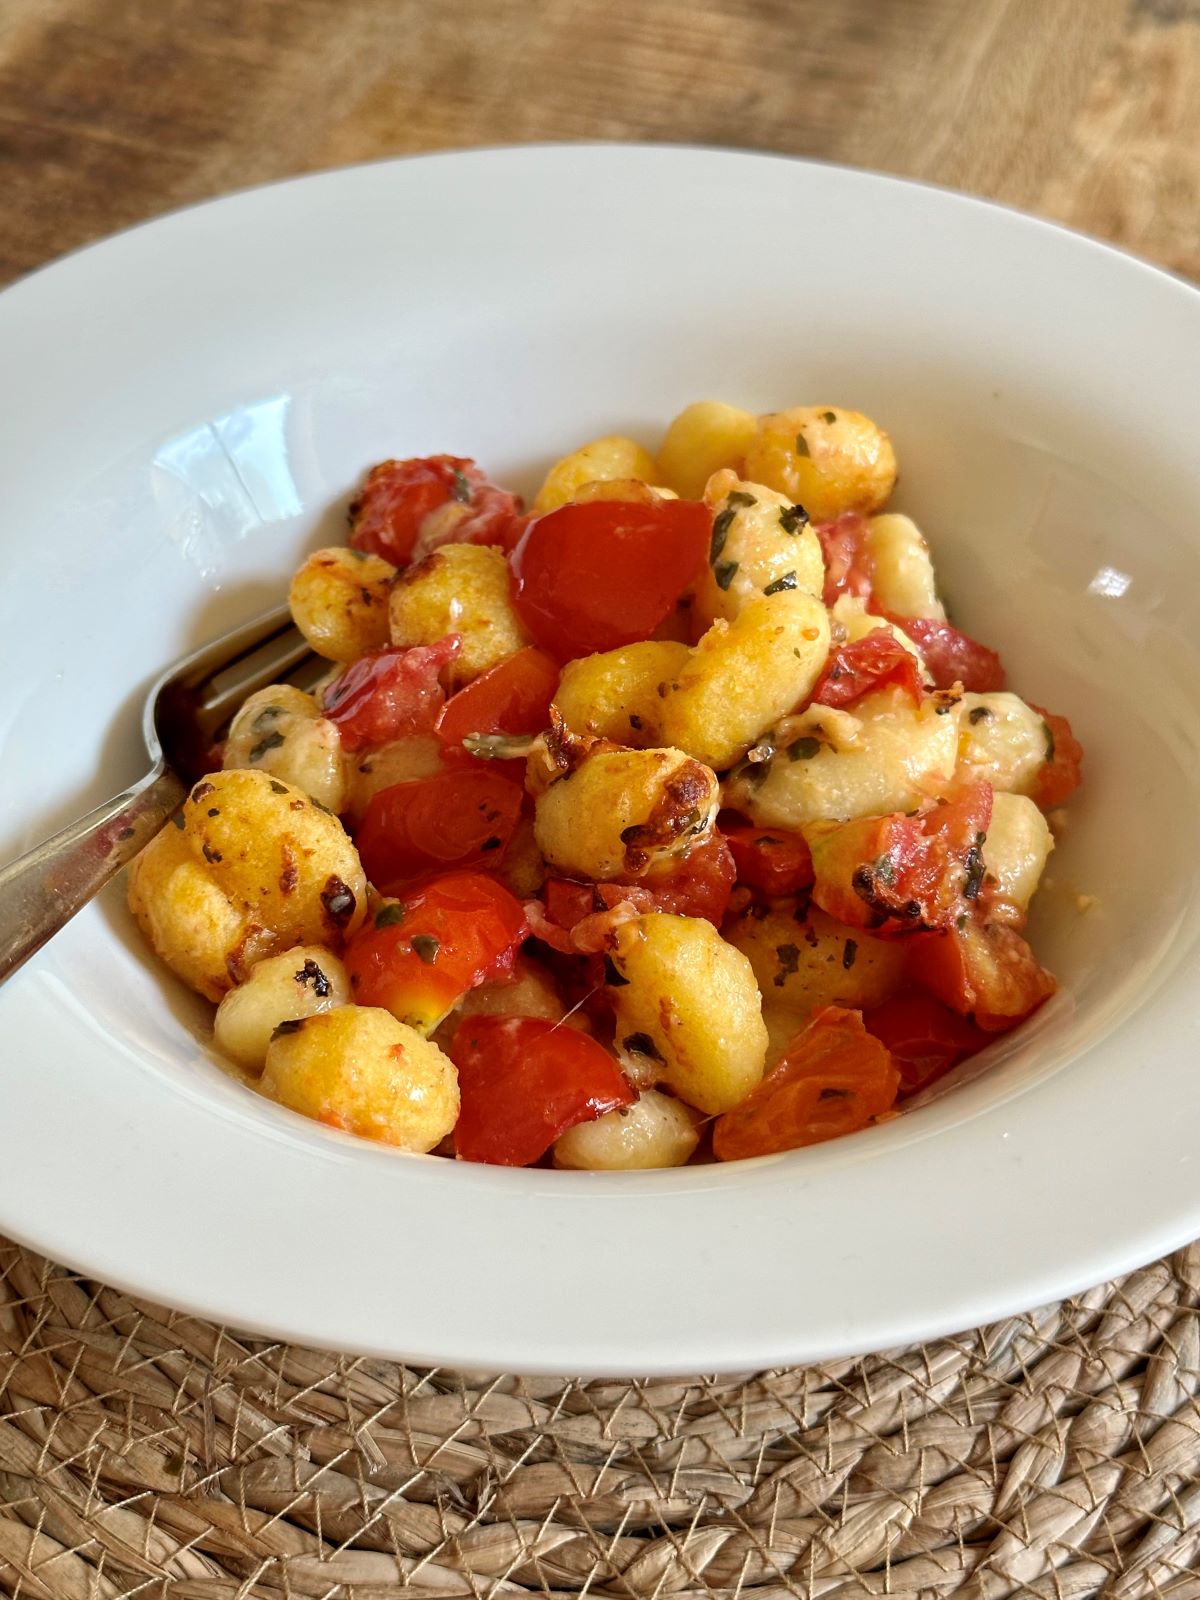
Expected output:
(112, 111)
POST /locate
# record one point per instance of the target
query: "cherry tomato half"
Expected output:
(920, 872)
(925, 1038)
(605, 573)
(848, 566)
(391, 510)
(512, 697)
(953, 657)
(768, 859)
(420, 958)
(1063, 772)
(524, 1081)
(986, 972)
(833, 1078)
(462, 815)
(866, 664)
(388, 694)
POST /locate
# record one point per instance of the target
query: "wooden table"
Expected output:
(112, 111)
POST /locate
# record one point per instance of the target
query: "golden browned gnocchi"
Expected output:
(604, 809)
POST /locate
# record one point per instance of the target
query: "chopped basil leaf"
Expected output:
(641, 1044)
(177, 819)
(803, 749)
(802, 446)
(789, 962)
(724, 572)
(829, 416)
(787, 581)
(426, 946)
(1049, 732)
(388, 916)
(278, 788)
(310, 972)
(613, 975)
(975, 869)
(462, 489)
(739, 497)
(270, 741)
(793, 519)
(290, 1026)
(885, 869)
(720, 532)
(849, 954)
(980, 714)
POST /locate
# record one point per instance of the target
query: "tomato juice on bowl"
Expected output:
(1035, 390)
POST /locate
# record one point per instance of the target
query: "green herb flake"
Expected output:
(426, 947)
(177, 819)
(829, 416)
(613, 976)
(278, 788)
(787, 581)
(849, 954)
(802, 446)
(739, 497)
(789, 962)
(1049, 733)
(975, 869)
(723, 573)
(793, 519)
(462, 489)
(981, 714)
(804, 749)
(388, 916)
(635, 721)
(270, 741)
(290, 1026)
(884, 869)
(720, 532)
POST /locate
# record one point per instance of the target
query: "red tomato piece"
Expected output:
(770, 860)
(388, 694)
(605, 573)
(984, 971)
(512, 697)
(952, 657)
(392, 509)
(921, 871)
(463, 815)
(524, 1081)
(578, 918)
(848, 566)
(420, 958)
(865, 664)
(697, 885)
(833, 1078)
(1063, 773)
(924, 1038)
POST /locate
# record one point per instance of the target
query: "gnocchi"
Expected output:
(598, 815)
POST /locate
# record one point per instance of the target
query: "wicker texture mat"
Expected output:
(1053, 1455)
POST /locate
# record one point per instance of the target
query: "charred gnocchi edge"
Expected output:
(670, 819)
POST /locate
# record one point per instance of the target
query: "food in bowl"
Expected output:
(670, 820)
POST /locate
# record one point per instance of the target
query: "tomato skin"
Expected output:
(512, 697)
(953, 657)
(924, 1038)
(864, 665)
(463, 815)
(834, 1078)
(698, 885)
(767, 859)
(523, 1082)
(388, 694)
(920, 872)
(848, 566)
(603, 573)
(452, 934)
(390, 510)
(984, 971)
(1058, 780)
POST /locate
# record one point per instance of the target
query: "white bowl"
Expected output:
(185, 410)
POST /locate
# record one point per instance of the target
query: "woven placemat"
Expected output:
(143, 1452)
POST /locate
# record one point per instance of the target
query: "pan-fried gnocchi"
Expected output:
(669, 819)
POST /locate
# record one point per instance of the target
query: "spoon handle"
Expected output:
(44, 888)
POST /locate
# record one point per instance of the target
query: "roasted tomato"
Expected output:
(394, 506)
(869, 663)
(524, 1081)
(605, 573)
(924, 1038)
(463, 815)
(768, 859)
(921, 871)
(952, 657)
(388, 694)
(983, 971)
(833, 1078)
(696, 885)
(420, 957)
(1063, 773)
(847, 563)
(511, 697)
